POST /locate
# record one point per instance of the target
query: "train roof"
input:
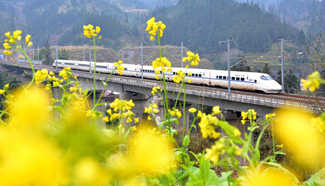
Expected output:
(175, 68)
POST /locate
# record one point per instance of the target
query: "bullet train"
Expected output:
(250, 81)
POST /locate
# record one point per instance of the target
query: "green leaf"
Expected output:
(186, 141)
(204, 169)
(316, 180)
(212, 178)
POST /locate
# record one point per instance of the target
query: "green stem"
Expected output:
(30, 63)
(102, 92)
(184, 107)
(166, 114)
(94, 80)
(260, 137)
(178, 95)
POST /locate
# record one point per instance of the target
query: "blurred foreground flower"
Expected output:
(302, 141)
(29, 160)
(89, 172)
(151, 152)
(29, 107)
(268, 176)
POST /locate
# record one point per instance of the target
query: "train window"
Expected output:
(237, 78)
(186, 74)
(263, 77)
(232, 78)
(255, 81)
(160, 72)
(242, 79)
(125, 69)
(200, 75)
(224, 77)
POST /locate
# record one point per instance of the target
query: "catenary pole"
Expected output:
(141, 56)
(228, 68)
(182, 53)
(282, 66)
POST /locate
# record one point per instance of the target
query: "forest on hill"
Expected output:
(202, 24)
(199, 24)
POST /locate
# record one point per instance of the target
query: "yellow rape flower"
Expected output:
(312, 83)
(152, 109)
(7, 52)
(6, 86)
(2, 91)
(121, 105)
(214, 152)
(119, 67)
(8, 34)
(135, 181)
(150, 152)
(73, 89)
(6, 46)
(56, 83)
(89, 172)
(161, 64)
(30, 44)
(29, 107)
(192, 110)
(30, 159)
(91, 114)
(155, 90)
(179, 77)
(175, 112)
(27, 38)
(251, 114)
(105, 119)
(192, 58)
(303, 142)
(216, 110)
(91, 32)
(268, 176)
(270, 116)
(207, 125)
(16, 34)
(153, 27)
(40, 76)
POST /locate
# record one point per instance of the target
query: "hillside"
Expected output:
(201, 27)
(200, 24)
(61, 21)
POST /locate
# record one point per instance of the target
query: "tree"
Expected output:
(242, 66)
(291, 81)
(63, 54)
(46, 54)
(266, 69)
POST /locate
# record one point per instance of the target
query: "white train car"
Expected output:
(250, 81)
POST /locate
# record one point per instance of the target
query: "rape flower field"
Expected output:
(47, 141)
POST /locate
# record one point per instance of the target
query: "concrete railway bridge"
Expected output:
(140, 91)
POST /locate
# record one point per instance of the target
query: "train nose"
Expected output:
(274, 87)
